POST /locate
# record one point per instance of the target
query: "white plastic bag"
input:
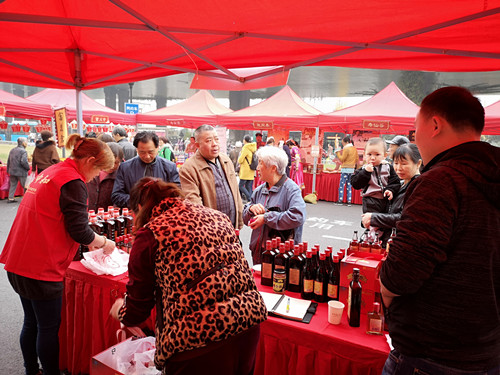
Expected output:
(113, 264)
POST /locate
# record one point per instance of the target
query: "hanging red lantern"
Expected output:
(26, 128)
(38, 128)
(43, 121)
(74, 125)
(16, 128)
(3, 125)
(105, 128)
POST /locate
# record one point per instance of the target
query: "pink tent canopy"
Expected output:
(95, 43)
(492, 119)
(15, 106)
(201, 108)
(67, 98)
(285, 109)
(390, 104)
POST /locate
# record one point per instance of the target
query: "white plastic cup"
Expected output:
(335, 310)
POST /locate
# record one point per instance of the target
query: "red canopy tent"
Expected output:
(94, 43)
(201, 108)
(389, 111)
(492, 119)
(15, 106)
(285, 109)
(67, 98)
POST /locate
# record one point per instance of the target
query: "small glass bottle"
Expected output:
(375, 323)
(389, 241)
(354, 244)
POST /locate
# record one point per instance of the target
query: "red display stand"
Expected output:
(327, 187)
(286, 347)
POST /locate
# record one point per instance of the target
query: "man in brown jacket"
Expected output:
(45, 153)
(208, 178)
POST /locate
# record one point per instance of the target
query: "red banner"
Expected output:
(2, 110)
(175, 122)
(376, 124)
(97, 119)
(263, 124)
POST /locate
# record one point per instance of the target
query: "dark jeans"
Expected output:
(39, 335)
(246, 188)
(402, 365)
(233, 356)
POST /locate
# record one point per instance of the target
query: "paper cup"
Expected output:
(335, 309)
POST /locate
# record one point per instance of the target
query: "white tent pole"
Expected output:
(315, 165)
(78, 87)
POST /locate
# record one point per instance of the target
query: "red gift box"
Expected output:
(369, 268)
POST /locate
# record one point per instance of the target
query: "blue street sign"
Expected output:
(131, 108)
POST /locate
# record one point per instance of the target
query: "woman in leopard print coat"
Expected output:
(188, 261)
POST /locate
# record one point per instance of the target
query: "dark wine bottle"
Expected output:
(281, 260)
(267, 265)
(321, 280)
(334, 280)
(354, 300)
(295, 266)
(308, 276)
(129, 221)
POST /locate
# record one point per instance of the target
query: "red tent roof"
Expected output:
(15, 106)
(388, 104)
(492, 119)
(285, 109)
(94, 43)
(201, 108)
(67, 98)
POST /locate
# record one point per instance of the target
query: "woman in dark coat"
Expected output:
(407, 162)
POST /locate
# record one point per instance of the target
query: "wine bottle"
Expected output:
(389, 241)
(129, 221)
(364, 246)
(375, 323)
(267, 265)
(354, 300)
(354, 244)
(295, 266)
(334, 280)
(321, 280)
(376, 248)
(281, 260)
(308, 276)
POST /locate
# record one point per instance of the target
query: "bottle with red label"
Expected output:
(295, 267)
(334, 280)
(375, 322)
(129, 221)
(321, 280)
(365, 246)
(308, 276)
(354, 244)
(266, 277)
(376, 247)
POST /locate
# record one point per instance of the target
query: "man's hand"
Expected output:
(365, 219)
(256, 222)
(257, 209)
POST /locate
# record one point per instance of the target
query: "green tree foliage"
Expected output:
(417, 85)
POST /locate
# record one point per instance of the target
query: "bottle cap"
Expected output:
(322, 256)
(282, 248)
(376, 307)
(309, 254)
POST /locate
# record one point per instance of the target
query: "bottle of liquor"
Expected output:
(119, 223)
(364, 246)
(389, 241)
(274, 246)
(129, 221)
(308, 276)
(100, 213)
(334, 280)
(329, 259)
(321, 280)
(295, 266)
(109, 225)
(281, 260)
(267, 265)
(376, 248)
(375, 323)
(315, 252)
(354, 244)
(354, 300)
(96, 225)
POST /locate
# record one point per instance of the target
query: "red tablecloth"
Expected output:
(86, 326)
(319, 348)
(286, 347)
(5, 193)
(327, 187)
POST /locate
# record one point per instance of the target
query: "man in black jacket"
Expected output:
(440, 282)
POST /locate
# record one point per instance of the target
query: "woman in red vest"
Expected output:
(54, 211)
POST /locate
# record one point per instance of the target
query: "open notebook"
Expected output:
(287, 307)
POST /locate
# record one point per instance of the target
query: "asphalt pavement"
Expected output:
(327, 225)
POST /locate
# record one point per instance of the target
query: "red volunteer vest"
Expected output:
(38, 245)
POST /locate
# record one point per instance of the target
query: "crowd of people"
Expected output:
(440, 283)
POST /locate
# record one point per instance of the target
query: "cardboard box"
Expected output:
(369, 268)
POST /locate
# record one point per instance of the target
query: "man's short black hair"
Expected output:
(145, 137)
(456, 105)
(120, 131)
(247, 138)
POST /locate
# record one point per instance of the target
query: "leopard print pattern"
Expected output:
(192, 240)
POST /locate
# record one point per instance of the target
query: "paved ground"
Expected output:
(326, 225)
